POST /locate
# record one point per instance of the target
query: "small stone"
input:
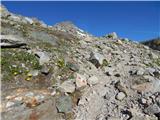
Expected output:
(108, 73)
(143, 101)
(152, 109)
(117, 75)
(29, 94)
(112, 35)
(120, 96)
(64, 104)
(80, 80)
(146, 47)
(18, 98)
(140, 71)
(119, 42)
(68, 86)
(33, 73)
(73, 66)
(45, 70)
(9, 104)
(93, 80)
(150, 71)
(53, 93)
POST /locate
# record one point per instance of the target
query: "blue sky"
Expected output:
(134, 20)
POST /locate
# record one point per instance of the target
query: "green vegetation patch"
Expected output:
(16, 62)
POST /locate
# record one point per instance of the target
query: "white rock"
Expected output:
(29, 94)
(53, 93)
(29, 20)
(93, 80)
(18, 98)
(43, 57)
(120, 96)
(143, 101)
(80, 80)
(113, 35)
(9, 104)
(68, 86)
(140, 71)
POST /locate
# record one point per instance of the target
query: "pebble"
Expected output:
(29, 94)
(152, 109)
(18, 98)
(140, 71)
(120, 96)
(143, 101)
(68, 86)
(9, 104)
(53, 93)
(45, 70)
(93, 80)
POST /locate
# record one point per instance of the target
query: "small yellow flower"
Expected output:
(15, 73)
(29, 75)
(28, 79)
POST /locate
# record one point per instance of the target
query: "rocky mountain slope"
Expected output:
(63, 73)
(154, 43)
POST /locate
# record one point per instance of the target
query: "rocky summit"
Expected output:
(61, 72)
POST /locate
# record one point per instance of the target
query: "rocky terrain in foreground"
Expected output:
(61, 72)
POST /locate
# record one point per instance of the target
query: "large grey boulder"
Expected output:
(43, 57)
(96, 59)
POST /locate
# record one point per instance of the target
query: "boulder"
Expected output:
(93, 80)
(96, 59)
(80, 80)
(152, 109)
(64, 104)
(120, 96)
(68, 86)
(112, 35)
(11, 41)
(43, 57)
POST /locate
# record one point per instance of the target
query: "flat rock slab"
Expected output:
(64, 104)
